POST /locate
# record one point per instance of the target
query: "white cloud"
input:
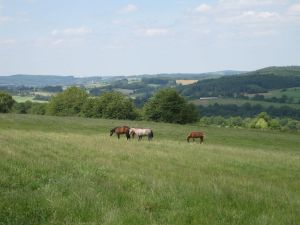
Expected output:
(203, 8)
(247, 34)
(79, 31)
(259, 15)
(6, 42)
(154, 32)
(250, 3)
(295, 9)
(57, 42)
(4, 19)
(250, 17)
(130, 8)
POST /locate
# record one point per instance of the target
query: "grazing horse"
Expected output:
(196, 134)
(140, 132)
(120, 130)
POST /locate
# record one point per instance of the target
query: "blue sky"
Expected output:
(97, 37)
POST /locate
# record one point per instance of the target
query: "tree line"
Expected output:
(260, 121)
(230, 86)
(165, 106)
(248, 110)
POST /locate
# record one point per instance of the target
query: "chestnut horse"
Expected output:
(120, 130)
(196, 134)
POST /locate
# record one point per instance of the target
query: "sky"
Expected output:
(101, 37)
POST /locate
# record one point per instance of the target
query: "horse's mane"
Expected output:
(118, 127)
(114, 129)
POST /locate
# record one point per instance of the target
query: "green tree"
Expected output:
(114, 105)
(261, 124)
(68, 102)
(38, 108)
(22, 107)
(92, 108)
(274, 124)
(168, 106)
(6, 102)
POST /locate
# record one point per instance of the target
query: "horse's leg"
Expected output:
(188, 139)
(201, 140)
(118, 136)
(193, 139)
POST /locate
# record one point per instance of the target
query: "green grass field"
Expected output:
(26, 98)
(290, 92)
(236, 101)
(56, 170)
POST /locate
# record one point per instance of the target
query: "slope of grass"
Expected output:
(69, 171)
(237, 101)
(290, 92)
(26, 98)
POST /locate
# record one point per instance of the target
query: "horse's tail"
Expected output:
(151, 134)
(127, 134)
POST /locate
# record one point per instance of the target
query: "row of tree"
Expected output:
(282, 99)
(166, 106)
(229, 86)
(248, 110)
(261, 121)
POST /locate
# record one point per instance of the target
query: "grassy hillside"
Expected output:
(69, 171)
(247, 83)
(289, 92)
(239, 102)
(279, 70)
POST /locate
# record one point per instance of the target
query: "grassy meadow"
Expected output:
(56, 170)
(289, 92)
(26, 98)
(239, 102)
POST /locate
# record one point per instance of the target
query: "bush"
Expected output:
(38, 108)
(68, 102)
(274, 124)
(261, 121)
(112, 106)
(168, 106)
(22, 107)
(261, 124)
(6, 102)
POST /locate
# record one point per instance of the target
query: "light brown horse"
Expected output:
(196, 134)
(120, 130)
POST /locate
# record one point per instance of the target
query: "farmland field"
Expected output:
(186, 82)
(290, 92)
(26, 98)
(236, 101)
(56, 170)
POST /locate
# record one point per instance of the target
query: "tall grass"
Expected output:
(69, 171)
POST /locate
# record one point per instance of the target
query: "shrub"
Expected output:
(168, 106)
(6, 102)
(68, 102)
(115, 106)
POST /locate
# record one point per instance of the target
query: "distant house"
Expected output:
(208, 98)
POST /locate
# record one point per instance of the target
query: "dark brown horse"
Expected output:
(120, 130)
(196, 134)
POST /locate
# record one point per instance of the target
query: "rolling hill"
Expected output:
(53, 80)
(247, 83)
